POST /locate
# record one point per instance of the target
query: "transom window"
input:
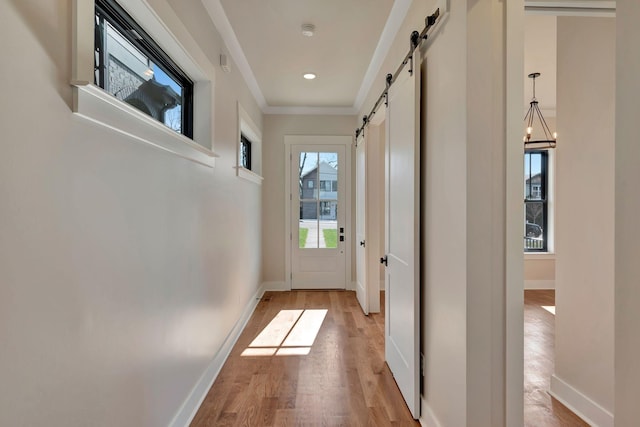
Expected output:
(536, 166)
(133, 68)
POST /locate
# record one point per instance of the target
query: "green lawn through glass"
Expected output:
(330, 237)
(303, 232)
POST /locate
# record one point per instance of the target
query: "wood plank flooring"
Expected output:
(342, 381)
(540, 409)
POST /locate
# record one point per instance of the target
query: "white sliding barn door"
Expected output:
(362, 288)
(402, 226)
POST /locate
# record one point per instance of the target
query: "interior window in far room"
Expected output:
(536, 233)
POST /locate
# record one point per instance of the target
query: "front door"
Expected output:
(318, 229)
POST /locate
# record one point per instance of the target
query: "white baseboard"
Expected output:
(539, 284)
(594, 414)
(275, 286)
(427, 418)
(199, 392)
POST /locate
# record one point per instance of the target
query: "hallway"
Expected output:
(343, 379)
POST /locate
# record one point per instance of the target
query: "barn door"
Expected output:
(402, 229)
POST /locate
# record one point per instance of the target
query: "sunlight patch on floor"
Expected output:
(259, 351)
(290, 333)
(293, 351)
(277, 330)
(550, 308)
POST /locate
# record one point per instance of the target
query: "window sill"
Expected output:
(248, 175)
(539, 255)
(98, 106)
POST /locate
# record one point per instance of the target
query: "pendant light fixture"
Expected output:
(535, 115)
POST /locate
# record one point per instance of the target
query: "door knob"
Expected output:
(362, 243)
(383, 260)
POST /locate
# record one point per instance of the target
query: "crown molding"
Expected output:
(312, 111)
(593, 8)
(396, 17)
(222, 24)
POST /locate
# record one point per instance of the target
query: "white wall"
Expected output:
(444, 220)
(540, 42)
(486, 220)
(122, 268)
(585, 214)
(539, 271)
(274, 130)
(627, 205)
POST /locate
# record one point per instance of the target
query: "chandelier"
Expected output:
(535, 115)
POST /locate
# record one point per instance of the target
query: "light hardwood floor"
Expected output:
(540, 409)
(342, 381)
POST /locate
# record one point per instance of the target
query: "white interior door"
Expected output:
(318, 212)
(402, 226)
(362, 288)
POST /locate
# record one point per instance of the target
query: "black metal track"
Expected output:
(415, 40)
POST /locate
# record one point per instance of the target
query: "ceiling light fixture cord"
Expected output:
(415, 39)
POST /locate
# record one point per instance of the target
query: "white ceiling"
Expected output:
(351, 38)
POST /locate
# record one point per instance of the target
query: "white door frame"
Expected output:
(289, 141)
(370, 286)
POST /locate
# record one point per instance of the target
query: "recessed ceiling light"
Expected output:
(308, 29)
(309, 76)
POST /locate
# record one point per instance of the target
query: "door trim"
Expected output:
(289, 141)
(362, 283)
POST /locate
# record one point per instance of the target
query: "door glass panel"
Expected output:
(308, 175)
(533, 184)
(318, 186)
(328, 224)
(534, 226)
(308, 225)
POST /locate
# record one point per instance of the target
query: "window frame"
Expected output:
(113, 13)
(245, 151)
(96, 107)
(248, 130)
(543, 199)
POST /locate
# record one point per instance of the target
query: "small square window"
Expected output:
(133, 68)
(249, 154)
(245, 152)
